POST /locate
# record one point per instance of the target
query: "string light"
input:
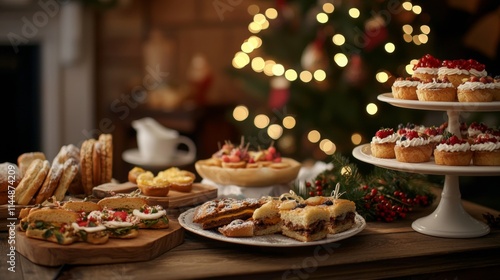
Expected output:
(261, 21)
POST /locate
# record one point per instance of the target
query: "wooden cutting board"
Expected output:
(148, 245)
(199, 194)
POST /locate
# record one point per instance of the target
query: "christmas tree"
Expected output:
(322, 64)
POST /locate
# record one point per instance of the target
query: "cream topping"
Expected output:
(488, 146)
(464, 147)
(472, 132)
(417, 141)
(151, 216)
(405, 83)
(389, 139)
(435, 138)
(434, 85)
(477, 73)
(452, 71)
(475, 86)
(88, 229)
(426, 70)
(116, 224)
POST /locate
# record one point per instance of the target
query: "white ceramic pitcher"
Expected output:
(160, 144)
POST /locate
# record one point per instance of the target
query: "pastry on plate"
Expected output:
(413, 148)
(486, 150)
(405, 88)
(476, 90)
(436, 90)
(453, 151)
(382, 144)
(426, 68)
(304, 222)
(222, 211)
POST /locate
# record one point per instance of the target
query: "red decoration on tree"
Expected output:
(280, 93)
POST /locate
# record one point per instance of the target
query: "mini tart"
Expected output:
(453, 151)
(413, 148)
(486, 148)
(486, 158)
(436, 90)
(452, 158)
(413, 154)
(458, 70)
(496, 88)
(405, 88)
(152, 186)
(476, 90)
(426, 68)
(180, 180)
(383, 150)
(382, 144)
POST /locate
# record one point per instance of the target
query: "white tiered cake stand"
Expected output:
(449, 219)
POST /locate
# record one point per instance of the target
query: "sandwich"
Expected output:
(118, 224)
(116, 216)
(219, 212)
(151, 216)
(267, 218)
(87, 229)
(342, 212)
(52, 224)
(304, 222)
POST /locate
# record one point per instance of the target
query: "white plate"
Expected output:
(363, 153)
(272, 240)
(440, 106)
(133, 156)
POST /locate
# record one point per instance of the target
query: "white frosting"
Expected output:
(452, 71)
(488, 146)
(496, 85)
(453, 148)
(434, 85)
(150, 216)
(88, 229)
(476, 73)
(472, 132)
(116, 224)
(417, 141)
(389, 139)
(405, 83)
(475, 86)
(426, 70)
(435, 138)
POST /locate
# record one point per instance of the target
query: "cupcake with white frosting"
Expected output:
(436, 90)
(453, 151)
(382, 144)
(486, 150)
(412, 147)
(476, 90)
(426, 68)
(405, 88)
(459, 69)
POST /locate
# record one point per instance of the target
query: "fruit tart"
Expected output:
(453, 151)
(476, 90)
(382, 144)
(426, 68)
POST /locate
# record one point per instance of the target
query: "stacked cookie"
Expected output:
(96, 162)
(74, 170)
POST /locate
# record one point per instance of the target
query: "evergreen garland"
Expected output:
(382, 195)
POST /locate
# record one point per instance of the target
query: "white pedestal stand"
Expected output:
(449, 219)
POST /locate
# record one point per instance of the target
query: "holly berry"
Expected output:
(427, 61)
(384, 132)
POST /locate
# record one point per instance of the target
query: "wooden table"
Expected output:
(381, 250)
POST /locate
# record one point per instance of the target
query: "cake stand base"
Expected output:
(450, 219)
